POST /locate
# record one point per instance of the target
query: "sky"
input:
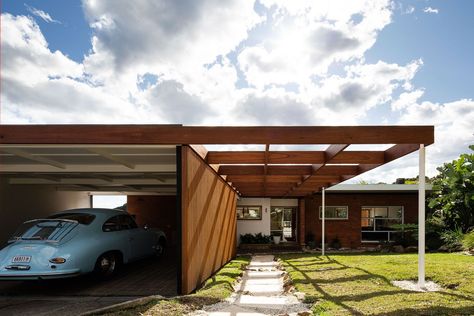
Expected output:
(234, 62)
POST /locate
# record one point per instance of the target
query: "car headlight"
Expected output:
(58, 260)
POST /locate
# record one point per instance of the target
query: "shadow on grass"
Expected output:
(344, 301)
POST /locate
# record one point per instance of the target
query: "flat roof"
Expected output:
(268, 172)
(377, 188)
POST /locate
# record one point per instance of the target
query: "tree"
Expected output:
(453, 193)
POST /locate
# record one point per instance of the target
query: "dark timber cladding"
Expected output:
(208, 221)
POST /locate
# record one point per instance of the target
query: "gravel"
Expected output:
(409, 285)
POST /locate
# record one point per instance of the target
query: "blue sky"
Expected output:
(267, 62)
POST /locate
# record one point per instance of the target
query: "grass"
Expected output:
(359, 284)
(215, 289)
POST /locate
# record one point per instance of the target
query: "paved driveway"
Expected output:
(78, 295)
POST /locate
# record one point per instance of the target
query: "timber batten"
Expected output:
(208, 211)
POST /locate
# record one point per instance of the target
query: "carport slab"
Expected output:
(48, 297)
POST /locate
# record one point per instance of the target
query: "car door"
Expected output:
(140, 240)
(116, 237)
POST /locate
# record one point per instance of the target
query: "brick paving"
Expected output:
(141, 278)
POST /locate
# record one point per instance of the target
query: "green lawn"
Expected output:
(214, 290)
(359, 284)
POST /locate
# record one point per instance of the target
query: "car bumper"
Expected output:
(34, 275)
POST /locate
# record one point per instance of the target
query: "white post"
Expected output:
(421, 218)
(323, 217)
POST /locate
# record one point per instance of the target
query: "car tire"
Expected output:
(107, 264)
(160, 248)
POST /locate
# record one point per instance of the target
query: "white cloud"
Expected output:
(310, 36)
(454, 130)
(407, 99)
(152, 35)
(430, 10)
(41, 86)
(41, 14)
(304, 63)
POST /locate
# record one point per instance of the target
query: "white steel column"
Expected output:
(323, 217)
(421, 218)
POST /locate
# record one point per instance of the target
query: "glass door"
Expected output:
(283, 222)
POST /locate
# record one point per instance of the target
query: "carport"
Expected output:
(38, 179)
(160, 160)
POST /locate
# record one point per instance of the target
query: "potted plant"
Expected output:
(276, 238)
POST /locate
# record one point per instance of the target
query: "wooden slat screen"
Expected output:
(208, 206)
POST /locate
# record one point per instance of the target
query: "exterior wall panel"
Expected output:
(349, 231)
(19, 203)
(208, 217)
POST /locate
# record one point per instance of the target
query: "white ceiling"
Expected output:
(134, 169)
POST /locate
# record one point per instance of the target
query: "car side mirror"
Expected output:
(145, 227)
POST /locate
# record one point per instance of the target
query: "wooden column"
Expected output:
(301, 222)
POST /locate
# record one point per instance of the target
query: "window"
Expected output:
(249, 212)
(334, 212)
(112, 224)
(376, 222)
(81, 218)
(127, 222)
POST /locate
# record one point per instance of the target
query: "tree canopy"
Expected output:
(453, 193)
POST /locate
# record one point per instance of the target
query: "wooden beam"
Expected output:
(104, 153)
(29, 156)
(329, 154)
(287, 170)
(358, 157)
(174, 134)
(337, 170)
(399, 150)
(333, 150)
(261, 178)
(293, 157)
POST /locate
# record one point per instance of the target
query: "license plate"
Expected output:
(21, 259)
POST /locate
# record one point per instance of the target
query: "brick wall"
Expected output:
(348, 231)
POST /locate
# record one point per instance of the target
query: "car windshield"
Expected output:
(81, 218)
(44, 229)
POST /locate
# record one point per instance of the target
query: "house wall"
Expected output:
(349, 231)
(208, 217)
(263, 225)
(19, 203)
(156, 212)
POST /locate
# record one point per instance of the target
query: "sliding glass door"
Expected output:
(283, 222)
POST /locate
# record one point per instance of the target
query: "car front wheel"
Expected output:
(107, 264)
(160, 248)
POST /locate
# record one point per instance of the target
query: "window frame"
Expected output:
(374, 218)
(334, 218)
(259, 207)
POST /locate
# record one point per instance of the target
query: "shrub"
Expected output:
(335, 243)
(468, 241)
(258, 238)
(407, 234)
(452, 240)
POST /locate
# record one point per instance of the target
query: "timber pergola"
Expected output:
(252, 173)
(36, 149)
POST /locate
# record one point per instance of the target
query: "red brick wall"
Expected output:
(348, 231)
(155, 211)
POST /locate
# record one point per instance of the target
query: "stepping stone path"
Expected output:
(260, 292)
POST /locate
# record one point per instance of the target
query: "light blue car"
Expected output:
(76, 242)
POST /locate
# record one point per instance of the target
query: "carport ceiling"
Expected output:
(252, 173)
(124, 169)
